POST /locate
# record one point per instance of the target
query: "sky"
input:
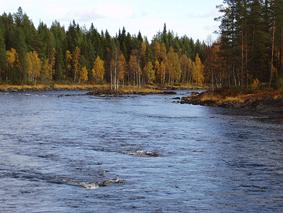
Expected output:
(194, 18)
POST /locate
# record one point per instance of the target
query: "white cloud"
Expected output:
(192, 18)
(114, 10)
(101, 11)
(209, 14)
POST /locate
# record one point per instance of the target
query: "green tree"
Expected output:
(76, 66)
(3, 67)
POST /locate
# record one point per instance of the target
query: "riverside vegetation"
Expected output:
(55, 56)
(249, 51)
(246, 60)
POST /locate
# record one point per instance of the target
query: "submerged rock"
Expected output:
(169, 93)
(89, 185)
(103, 93)
(70, 95)
(111, 181)
(92, 185)
(143, 153)
(108, 92)
(176, 98)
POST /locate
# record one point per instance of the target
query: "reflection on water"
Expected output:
(164, 156)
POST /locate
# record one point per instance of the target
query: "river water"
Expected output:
(55, 151)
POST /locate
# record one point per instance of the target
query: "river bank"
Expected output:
(103, 89)
(263, 102)
(47, 87)
(96, 89)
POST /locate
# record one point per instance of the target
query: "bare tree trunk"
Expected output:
(115, 72)
(212, 79)
(242, 65)
(246, 62)
(272, 54)
(234, 76)
(111, 79)
(281, 54)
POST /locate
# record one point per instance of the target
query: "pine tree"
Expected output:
(68, 61)
(65, 53)
(76, 66)
(3, 67)
(46, 71)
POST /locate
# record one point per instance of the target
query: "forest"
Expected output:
(247, 53)
(78, 55)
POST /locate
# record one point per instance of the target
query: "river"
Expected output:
(54, 152)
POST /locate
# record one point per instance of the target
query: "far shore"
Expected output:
(98, 88)
(48, 87)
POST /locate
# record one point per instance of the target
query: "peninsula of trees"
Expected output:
(249, 51)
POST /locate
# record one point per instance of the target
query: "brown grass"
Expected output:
(11, 87)
(232, 97)
(79, 86)
(61, 86)
(134, 89)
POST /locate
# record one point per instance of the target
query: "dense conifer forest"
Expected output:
(76, 55)
(248, 52)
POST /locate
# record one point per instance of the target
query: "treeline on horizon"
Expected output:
(78, 55)
(249, 51)
(247, 54)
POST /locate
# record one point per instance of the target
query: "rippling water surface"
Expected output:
(54, 151)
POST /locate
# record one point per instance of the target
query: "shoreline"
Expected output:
(269, 103)
(93, 89)
(48, 87)
(147, 89)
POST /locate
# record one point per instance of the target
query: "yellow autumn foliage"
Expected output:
(33, 66)
(98, 70)
(11, 57)
(84, 74)
(122, 67)
(198, 71)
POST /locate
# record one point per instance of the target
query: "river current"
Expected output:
(135, 154)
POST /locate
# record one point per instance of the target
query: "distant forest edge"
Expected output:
(248, 52)
(78, 55)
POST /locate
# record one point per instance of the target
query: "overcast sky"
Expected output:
(186, 17)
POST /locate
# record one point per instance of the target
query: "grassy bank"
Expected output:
(44, 87)
(66, 86)
(97, 89)
(235, 98)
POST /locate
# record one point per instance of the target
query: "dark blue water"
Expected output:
(210, 160)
